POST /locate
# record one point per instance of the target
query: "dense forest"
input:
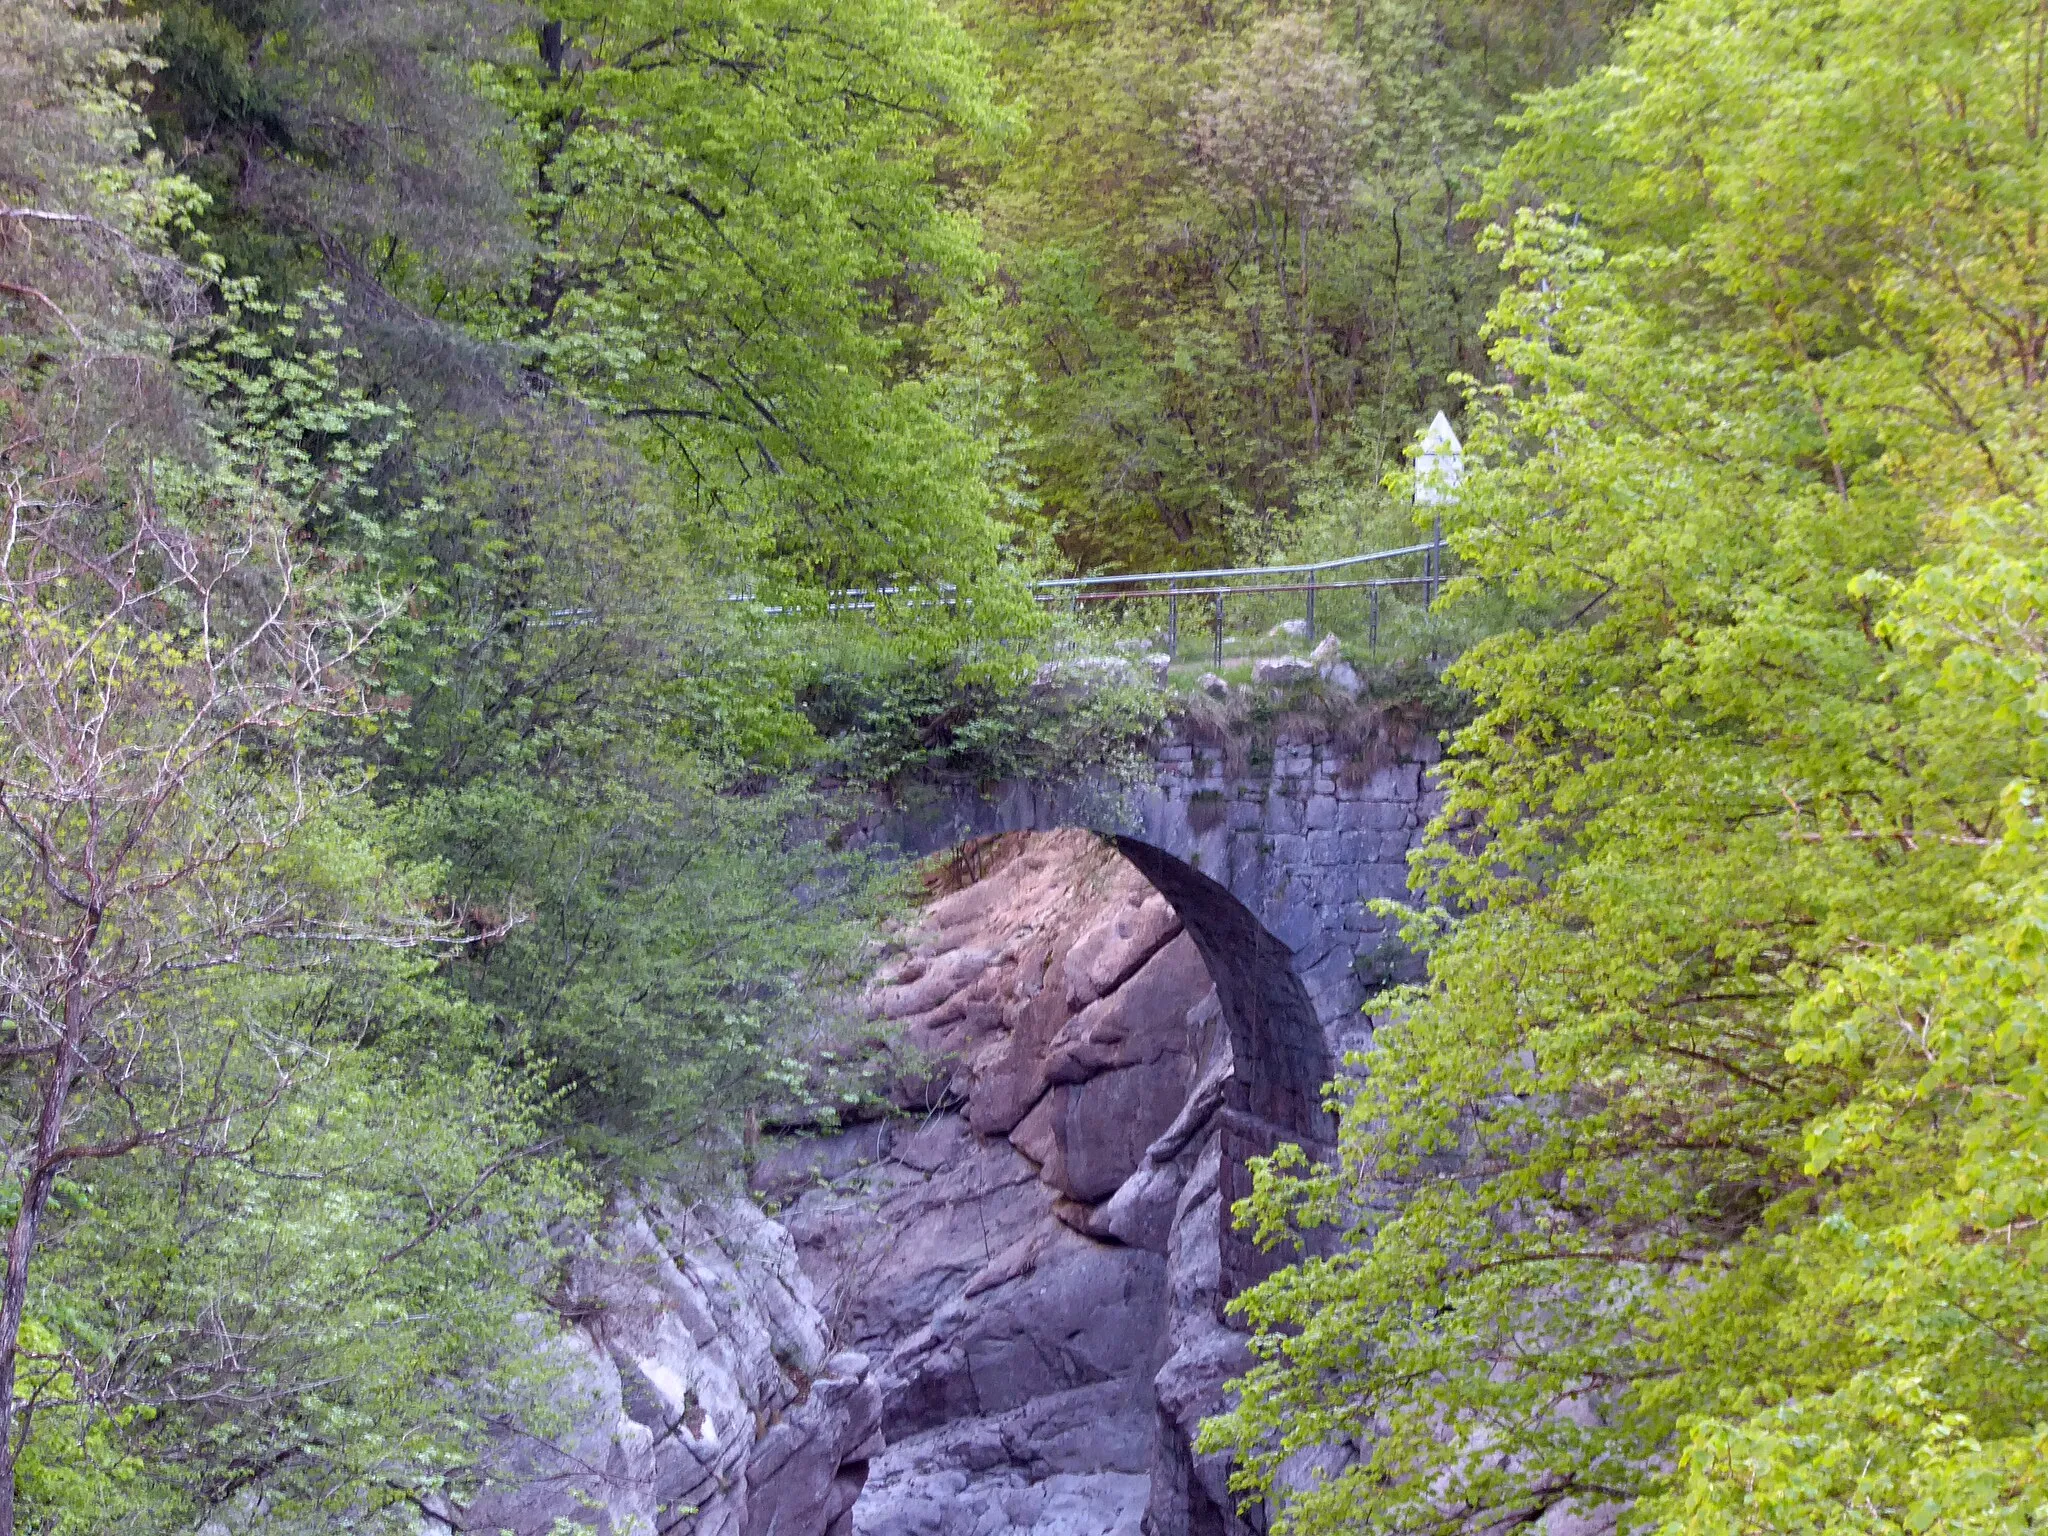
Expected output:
(432, 435)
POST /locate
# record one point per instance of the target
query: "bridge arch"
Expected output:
(1280, 1057)
(1264, 1090)
(1304, 834)
(1270, 859)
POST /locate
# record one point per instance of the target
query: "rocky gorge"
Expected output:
(1000, 1308)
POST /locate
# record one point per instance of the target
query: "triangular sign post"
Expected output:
(1439, 470)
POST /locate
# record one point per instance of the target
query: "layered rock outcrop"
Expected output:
(1001, 1309)
(698, 1391)
(1034, 1265)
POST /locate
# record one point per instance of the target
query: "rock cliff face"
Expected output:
(699, 1392)
(999, 1310)
(1033, 1267)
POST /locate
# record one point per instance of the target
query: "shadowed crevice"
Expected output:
(1279, 1060)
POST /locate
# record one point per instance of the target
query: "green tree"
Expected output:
(343, 145)
(682, 364)
(219, 1214)
(601, 755)
(1234, 251)
(1701, 1185)
(251, 1268)
(737, 225)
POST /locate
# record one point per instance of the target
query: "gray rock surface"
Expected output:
(1282, 670)
(1075, 1463)
(805, 1474)
(699, 1397)
(1343, 677)
(1017, 1268)
(1039, 1273)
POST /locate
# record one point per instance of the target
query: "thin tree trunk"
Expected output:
(37, 1181)
(1308, 363)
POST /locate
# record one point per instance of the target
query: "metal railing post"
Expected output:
(1311, 609)
(1436, 557)
(1372, 632)
(1219, 630)
(1172, 624)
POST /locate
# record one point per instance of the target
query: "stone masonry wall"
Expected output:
(1304, 841)
(1303, 836)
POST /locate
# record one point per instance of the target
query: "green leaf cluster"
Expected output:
(1701, 1187)
(888, 722)
(737, 226)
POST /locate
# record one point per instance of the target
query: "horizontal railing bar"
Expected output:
(1070, 584)
(1248, 570)
(1111, 597)
(1324, 586)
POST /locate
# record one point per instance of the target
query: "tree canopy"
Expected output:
(1700, 1188)
(483, 483)
(1237, 265)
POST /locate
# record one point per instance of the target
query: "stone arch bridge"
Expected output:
(1269, 859)
(1006, 1312)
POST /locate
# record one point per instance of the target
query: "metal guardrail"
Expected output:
(1439, 471)
(1075, 590)
(1245, 570)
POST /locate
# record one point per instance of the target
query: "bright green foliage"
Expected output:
(695, 325)
(736, 226)
(588, 748)
(721, 226)
(270, 1266)
(326, 1319)
(82, 271)
(276, 1275)
(1708, 1171)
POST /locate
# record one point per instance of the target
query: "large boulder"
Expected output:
(806, 1472)
(1075, 1463)
(1282, 671)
